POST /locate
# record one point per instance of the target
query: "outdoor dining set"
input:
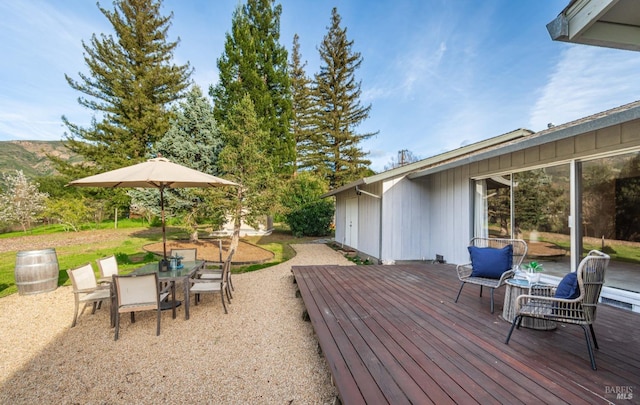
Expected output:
(151, 287)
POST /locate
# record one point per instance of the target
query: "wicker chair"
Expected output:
(465, 271)
(542, 304)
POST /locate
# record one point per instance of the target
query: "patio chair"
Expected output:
(85, 289)
(574, 301)
(108, 267)
(213, 285)
(493, 261)
(188, 255)
(136, 293)
(216, 274)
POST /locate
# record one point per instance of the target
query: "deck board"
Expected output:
(392, 334)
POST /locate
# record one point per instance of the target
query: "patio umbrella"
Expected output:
(157, 173)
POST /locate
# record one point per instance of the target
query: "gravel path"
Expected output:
(262, 352)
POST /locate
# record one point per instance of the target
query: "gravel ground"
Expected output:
(262, 352)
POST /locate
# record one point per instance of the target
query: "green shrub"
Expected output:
(313, 219)
(122, 258)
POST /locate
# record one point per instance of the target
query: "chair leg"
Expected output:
(133, 317)
(593, 337)
(223, 304)
(513, 325)
(481, 291)
(158, 327)
(491, 299)
(75, 314)
(588, 339)
(459, 291)
(117, 321)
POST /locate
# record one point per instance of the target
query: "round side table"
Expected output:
(514, 288)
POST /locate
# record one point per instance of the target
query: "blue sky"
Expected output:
(439, 74)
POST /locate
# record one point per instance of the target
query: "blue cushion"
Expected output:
(490, 262)
(568, 287)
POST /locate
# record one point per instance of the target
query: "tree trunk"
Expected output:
(237, 222)
(194, 236)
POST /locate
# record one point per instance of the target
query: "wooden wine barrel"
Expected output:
(36, 271)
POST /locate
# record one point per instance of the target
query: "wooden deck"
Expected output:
(392, 334)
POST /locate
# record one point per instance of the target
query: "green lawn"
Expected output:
(129, 246)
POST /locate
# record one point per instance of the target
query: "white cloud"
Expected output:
(586, 80)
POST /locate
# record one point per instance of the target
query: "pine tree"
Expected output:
(340, 159)
(303, 109)
(255, 63)
(130, 86)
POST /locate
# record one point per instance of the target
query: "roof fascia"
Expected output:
(403, 170)
(542, 137)
(580, 23)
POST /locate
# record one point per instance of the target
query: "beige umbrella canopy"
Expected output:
(157, 173)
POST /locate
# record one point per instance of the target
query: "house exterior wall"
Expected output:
(368, 243)
(433, 214)
(405, 220)
(369, 222)
(451, 218)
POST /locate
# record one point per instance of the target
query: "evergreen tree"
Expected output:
(255, 64)
(303, 109)
(193, 140)
(243, 163)
(131, 83)
(340, 158)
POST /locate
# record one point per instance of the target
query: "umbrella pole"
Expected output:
(164, 234)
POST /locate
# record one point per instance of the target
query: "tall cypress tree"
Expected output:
(130, 84)
(339, 110)
(303, 109)
(255, 64)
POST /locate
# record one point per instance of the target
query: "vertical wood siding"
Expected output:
(405, 223)
(433, 214)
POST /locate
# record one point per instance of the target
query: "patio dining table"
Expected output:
(172, 276)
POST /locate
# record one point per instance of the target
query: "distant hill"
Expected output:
(31, 157)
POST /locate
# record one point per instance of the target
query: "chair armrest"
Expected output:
(204, 281)
(541, 301)
(538, 290)
(209, 271)
(507, 275)
(464, 270)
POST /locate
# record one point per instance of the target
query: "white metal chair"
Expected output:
(85, 289)
(466, 272)
(543, 303)
(136, 293)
